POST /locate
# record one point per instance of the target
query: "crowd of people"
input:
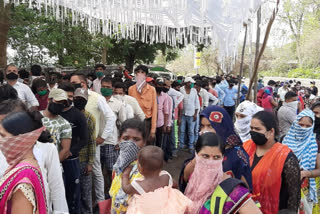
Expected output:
(97, 142)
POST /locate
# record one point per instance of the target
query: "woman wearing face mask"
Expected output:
(132, 137)
(244, 113)
(22, 188)
(210, 190)
(236, 161)
(275, 169)
(302, 141)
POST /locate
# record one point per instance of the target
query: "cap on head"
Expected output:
(189, 79)
(80, 92)
(58, 95)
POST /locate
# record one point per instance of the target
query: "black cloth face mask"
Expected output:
(76, 85)
(12, 76)
(80, 103)
(55, 108)
(258, 138)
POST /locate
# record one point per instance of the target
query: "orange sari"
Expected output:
(266, 176)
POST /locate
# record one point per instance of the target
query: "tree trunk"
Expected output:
(264, 44)
(104, 55)
(4, 30)
(130, 61)
(241, 64)
(255, 87)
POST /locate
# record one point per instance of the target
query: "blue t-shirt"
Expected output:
(229, 99)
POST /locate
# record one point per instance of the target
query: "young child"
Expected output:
(153, 193)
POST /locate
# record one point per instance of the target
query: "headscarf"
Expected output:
(205, 178)
(267, 92)
(303, 143)
(16, 147)
(242, 125)
(128, 153)
(222, 123)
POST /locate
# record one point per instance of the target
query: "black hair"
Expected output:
(81, 76)
(118, 74)
(133, 124)
(175, 84)
(23, 74)
(36, 70)
(205, 84)
(66, 77)
(289, 95)
(12, 105)
(100, 66)
(116, 80)
(107, 80)
(143, 68)
(286, 211)
(218, 79)
(8, 92)
(198, 83)
(120, 85)
(23, 122)
(209, 139)
(37, 83)
(271, 82)
(67, 87)
(315, 105)
(268, 120)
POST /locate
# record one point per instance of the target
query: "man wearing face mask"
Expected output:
(130, 103)
(59, 128)
(146, 96)
(80, 138)
(229, 100)
(24, 92)
(164, 121)
(287, 112)
(96, 85)
(87, 154)
(100, 109)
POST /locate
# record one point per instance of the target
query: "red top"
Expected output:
(43, 101)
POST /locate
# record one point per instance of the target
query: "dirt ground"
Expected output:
(174, 166)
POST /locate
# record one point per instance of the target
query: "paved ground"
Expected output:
(174, 166)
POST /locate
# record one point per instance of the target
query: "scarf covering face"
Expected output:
(205, 178)
(141, 82)
(16, 147)
(128, 153)
(302, 142)
(222, 123)
(243, 125)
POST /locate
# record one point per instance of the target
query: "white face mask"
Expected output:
(293, 104)
(119, 97)
(243, 127)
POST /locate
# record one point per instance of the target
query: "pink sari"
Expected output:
(22, 173)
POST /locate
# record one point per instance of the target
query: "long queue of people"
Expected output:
(76, 144)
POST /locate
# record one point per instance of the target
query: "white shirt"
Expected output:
(108, 115)
(48, 160)
(176, 96)
(25, 94)
(138, 113)
(96, 85)
(119, 111)
(190, 102)
(282, 93)
(205, 98)
(214, 100)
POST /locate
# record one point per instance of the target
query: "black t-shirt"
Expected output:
(80, 135)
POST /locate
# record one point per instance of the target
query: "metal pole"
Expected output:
(241, 64)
